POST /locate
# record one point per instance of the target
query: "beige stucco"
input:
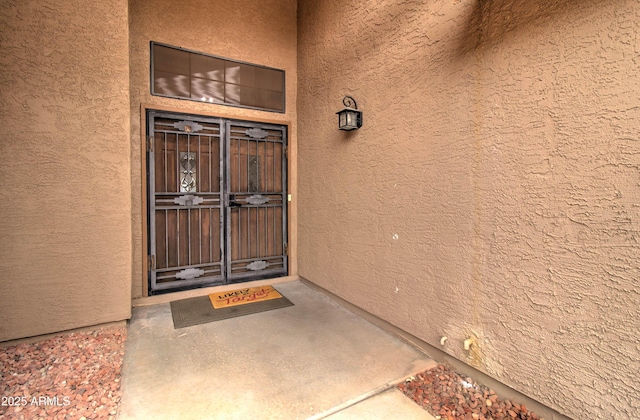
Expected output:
(261, 33)
(65, 230)
(493, 192)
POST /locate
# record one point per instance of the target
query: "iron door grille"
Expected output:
(185, 201)
(256, 192)
(217, 201)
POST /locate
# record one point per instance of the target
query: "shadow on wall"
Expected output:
(491, 21)
(463, 27)
(488, 22)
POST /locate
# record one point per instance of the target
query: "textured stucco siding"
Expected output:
(65, 202)
(258, 32)
(493, 192)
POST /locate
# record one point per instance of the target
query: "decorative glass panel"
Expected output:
(187, 172)
(254, 173)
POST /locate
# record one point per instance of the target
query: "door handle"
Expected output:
(234, 204)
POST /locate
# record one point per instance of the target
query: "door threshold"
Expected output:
(169, 297)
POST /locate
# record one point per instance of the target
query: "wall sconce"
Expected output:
(349, 118)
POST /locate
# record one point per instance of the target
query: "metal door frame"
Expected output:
(225, 277)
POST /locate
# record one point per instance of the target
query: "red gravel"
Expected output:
(447, 394)
(70, 376)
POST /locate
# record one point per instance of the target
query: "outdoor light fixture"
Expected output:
(349, 118)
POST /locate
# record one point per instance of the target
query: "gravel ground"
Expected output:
(70, 376)
(447, 394)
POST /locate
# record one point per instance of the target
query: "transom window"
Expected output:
(184, 74)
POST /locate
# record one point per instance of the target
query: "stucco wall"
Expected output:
(65, 230)
(258, 32)
(494, 189)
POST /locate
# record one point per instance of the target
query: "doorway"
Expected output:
(217, 194)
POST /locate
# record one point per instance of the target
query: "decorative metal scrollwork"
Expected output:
(349, 102)
(188, 200)
(257, 265)
(257, 200)
(257, 133)
(189, 273)
(188, 126)
(188, 172)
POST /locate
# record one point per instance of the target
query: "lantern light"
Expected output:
(349, 118)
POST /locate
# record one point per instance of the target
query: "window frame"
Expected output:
(152, 44)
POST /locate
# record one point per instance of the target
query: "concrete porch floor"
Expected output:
(313, 360)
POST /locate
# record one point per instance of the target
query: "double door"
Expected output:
(216, 201)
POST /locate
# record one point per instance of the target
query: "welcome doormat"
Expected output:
(200, 310)
(243, 296)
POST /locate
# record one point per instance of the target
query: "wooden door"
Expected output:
(256, 213)
(217, 195)
(185, 202)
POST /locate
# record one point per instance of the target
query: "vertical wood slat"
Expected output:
(161, 250)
